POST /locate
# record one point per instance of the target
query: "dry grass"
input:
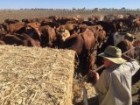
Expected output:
(37, 13)
(22, 14)
(35, 76)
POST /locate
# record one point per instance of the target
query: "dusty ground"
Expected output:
(136, 89)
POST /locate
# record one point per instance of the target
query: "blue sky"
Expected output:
(69, 4)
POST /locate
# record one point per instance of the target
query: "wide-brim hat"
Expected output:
(113, 54)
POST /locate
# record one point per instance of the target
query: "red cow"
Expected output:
(13, 28)
(16, 39)
(48, 37)
(84, 44)
(126, 45)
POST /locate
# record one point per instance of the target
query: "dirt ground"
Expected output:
(136, 89)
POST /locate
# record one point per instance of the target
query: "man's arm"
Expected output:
(132, 63)
(134, 67)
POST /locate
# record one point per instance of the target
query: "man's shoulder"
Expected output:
(132, 64)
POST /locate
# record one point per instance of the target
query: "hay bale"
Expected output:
(35, 76)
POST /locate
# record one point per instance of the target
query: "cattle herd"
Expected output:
(86, 37)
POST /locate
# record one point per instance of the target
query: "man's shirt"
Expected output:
(114, 85)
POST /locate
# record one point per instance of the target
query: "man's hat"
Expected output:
(113, 54)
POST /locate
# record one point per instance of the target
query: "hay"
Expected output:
(35, 76)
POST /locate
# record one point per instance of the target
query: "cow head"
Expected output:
(32, 29)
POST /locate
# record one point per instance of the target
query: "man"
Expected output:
(114, 84)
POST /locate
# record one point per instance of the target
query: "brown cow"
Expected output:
(16, 39)
(84, 45)
(126, 45)
(12, 40)
(35, 26)
(136, 43)
(99, 33)
(48, 37)
(11, 21)
(3, 28)
(72, 28)
(62, 35)
(2, 42)
(136, 25)
(33, 30)
(28, 41)
(13, 28)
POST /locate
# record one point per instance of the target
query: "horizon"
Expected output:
(66, 8)
(63, 4)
